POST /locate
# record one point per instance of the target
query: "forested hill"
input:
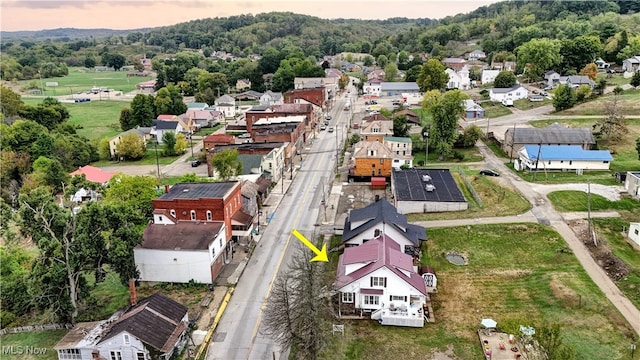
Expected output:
(65, 34)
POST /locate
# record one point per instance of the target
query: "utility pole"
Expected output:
(157, 162)
(337, 148)
(533, 177)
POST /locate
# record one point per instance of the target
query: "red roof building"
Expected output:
(94, 174)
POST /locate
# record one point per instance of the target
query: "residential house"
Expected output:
(251, 164)
(398, 88)
(513, 93)
(631, 64)
(632, 184)
(197, 106)
(205, 202)
(374, 117)
(249, 95)
(162, 127)
(378, 218)
(271, 98)
(552, 78)
(454, 63)
(143, 132)
(564, 158)
(458, 79)
(156, 327)
(213, 140)
(476, 55)
(331, 72)
(401, 147)
(226, 105)
(509, 66)
(371, 158)
(377, 74)
(330, 84)
(273, 163)
(250, 197)
(634, 232)
(576, 80)
(94, 174)
(243, 84)
(601, 64)
(186, 124)
(489, 76)
(555, 134)
(426, 190)
(176, 251)
(204, 118)
(146, 63)
(376, 130)
(472, 110)
(411, 116)
(372, 88)
(377, 278)
(247, 148)
(83, 195)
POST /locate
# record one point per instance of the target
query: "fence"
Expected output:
(32, 328)
(469, 186)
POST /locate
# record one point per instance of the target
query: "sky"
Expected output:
(133, 14)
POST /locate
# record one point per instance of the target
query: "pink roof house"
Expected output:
(94, 174)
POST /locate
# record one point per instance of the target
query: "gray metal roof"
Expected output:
(165, 125)
(406, 86)
(506, 90)
(553, 134)
(409, 186)
(215, 190)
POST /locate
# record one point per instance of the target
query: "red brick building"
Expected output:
(214, 140)
(276, 111)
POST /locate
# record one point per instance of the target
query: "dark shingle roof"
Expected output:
(553, 134)
(215, 190)
(154, 320)
(183, 235)
(165, 125)
(410, 186)
(381, 211)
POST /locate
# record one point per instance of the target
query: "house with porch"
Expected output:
(162, 127)
(204, 118)
(563, 158)
(377, 278)
(271, 98)
(155, 327)
(376, 130)
(176, 251)
(226, 105)
(145, 134)
(243, 84)
(514, 93)
(551, 78)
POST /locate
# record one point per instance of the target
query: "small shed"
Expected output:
(634, 232)
(378, 183)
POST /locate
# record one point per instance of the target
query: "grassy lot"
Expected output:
(525, 104)
(82, 80)
(493, 110)
(628, 104)
(518, 282)
(148, 159)
(424, 115)
(615, 79)
(569, 200)
(496, 200)
(39, 340)
(95, 119)
(471, 154)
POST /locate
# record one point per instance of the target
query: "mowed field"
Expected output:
(628, 104)
(517, 274)
(83, 79)
(94, 119)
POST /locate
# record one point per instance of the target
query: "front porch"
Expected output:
(412, 316)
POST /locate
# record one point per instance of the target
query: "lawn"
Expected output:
(517, 274)
(496, 200)
(569, 200)
(494, 110)
(148, 159)
(614, 79)
(628, 104)
(83, 79)
(95, 119)
(525, 104)
(39, 343)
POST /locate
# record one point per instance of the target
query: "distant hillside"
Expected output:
(65, 34)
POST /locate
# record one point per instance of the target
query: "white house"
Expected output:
(181, 251)
(631, 64)
(380, 217)
(272, 98)
(576, 80)
(477, 55)
(489, 76)
(154, 328)
(273, 163)
(373, 87)
(516, 92)
(634, 232)
(401, 148)
(163, 126)
(226, 105)
(552, 78)
(563, 157)
(632, 184)
(458, 79)
(378, 278)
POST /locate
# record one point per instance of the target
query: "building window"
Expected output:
(172, 212)
(381, 161)
(220, 243)
(397, 298)
(193, 214)
(636, 231)
(116, 355)
(371, 300)
(347, 297)
(126, 339)
(160, 218)
(209, 215)
(570, 162)
(140, 356)
(378, 281)
(69, 354)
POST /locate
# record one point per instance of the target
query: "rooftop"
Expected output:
(215, 190)
(566, 152)
(184, 235)
(410, 186)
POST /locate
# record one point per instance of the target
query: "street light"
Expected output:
(426, 148)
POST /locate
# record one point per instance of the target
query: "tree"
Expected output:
(297, 307)
(579, 51)
(181, 144)
(432, 76)
(104, 148)
(638, 147)
(131, 147)
(169, 141)
(216, 82)
(284, 77)
(49, 172)
(549, 336)
(590, 70)
(382, 60)
(116, 61)
(613, 125)
(446, 110)
(169, 101)
(226, 164)
(10, 104)
(413, 73)
(582, 93)
(50, 113)
(126, 119)
(142, 110)
(564, 97)
(635, 79)
(133, 191)
(469, 137)
(540, 55)
(390, 72)
(505, 79)
(89, 62)
(400, 126)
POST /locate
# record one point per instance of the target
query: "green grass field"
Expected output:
(40, 341)
(568, 200)
(517, 274)
(628, 104)
(82, 80)
(525, 104)
(494, 110)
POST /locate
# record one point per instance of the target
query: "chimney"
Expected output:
(132, 292)
(166, 188)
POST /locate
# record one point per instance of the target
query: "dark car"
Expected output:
(489, 172)
(195, 163)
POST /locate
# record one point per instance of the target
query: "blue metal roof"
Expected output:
(566, 152)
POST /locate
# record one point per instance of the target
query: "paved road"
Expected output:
(240, 333)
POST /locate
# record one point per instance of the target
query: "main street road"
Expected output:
(239, 334)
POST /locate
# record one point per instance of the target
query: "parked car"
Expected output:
(330, 129)
(323, 127)
(328, 117)
(244, 136)
(195, 163)
(489, 172)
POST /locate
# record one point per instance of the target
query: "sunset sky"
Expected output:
(133, 14)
